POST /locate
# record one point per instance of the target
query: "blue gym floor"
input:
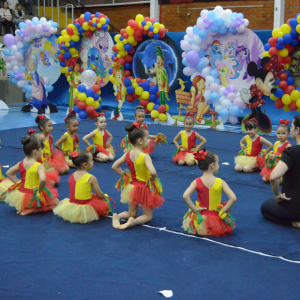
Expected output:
(43, 257)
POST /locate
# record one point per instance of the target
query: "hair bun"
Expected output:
(25, 139)
(129, 127)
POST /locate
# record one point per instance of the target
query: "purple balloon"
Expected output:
(228, 88)
(225, 93)
(22, 31)
(232, 25)
(192, 58)
(16, 76)
(232, 90)
(238, 18)
(181, 42)
(9, 40)
(205, 20)
(206, 26)
(242, 21)
(210, 22)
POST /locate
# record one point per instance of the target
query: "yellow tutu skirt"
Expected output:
(244, 160)
(5, 184)
(69, 161)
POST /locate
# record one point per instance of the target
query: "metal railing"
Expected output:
(52, 15)
(72, 13)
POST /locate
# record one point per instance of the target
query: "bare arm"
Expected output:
(117, 165)
(231, 196)
(177, 137)
(149, 165)
(87, 137)
(59, 142)
(275, 176)
(152, 137)
(94, 182)
(242, 142)
(110, 137)
(187, 197)
(11, 173)
(202, 139)
(42, 175)
(77, 141)
(268, 144)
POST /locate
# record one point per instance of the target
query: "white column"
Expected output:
(279, 8)
(154, 9)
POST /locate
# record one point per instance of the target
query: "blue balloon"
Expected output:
(232, 30)
(201, 53)
(90, 92)
(293, 23)
(76, 109)
(214, 96)
(22, 69)
(127, 47)
(218, 21)
(156, 36)
(184, 62)
(294, 43)
(27, 95)
(267, 47)
(152, 98)
(234, 110)
(151, 28)
(241, 113)
(146, 86)
(201, 65)
(97, 14)
(72, 44)
(287, 38)
(12, 74)
(202, 33)
(127, 66)
(294, 33)
(82, 114)
(96, 96)
(143, 23)
(223, 29)
(81, 30)
(127, 82)
(214, 74)
(279, 93)
(196, 30)
(223, 113)
(99, 108)
(104, 27)
(155, 107)
(107, 21)
(67, 55)
(70, 69)
(211, 15)
(217, 81)
(277, 82)
(54, 25)
(49, 88)
(214, 29)
(153, 89)
(140, 84)
(81, 88)
(6, 52)
(130, 90)
(288, 73)
(190, 41)
(280, 46)
(240, 15)
(95, 24)
(87, 16)
(121, 38)
(77, 25)
(290, 81)
(62, 64)
(280, 40)
(22, 25)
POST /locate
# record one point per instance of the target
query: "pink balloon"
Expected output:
(185, 46)
(191, 35)
(18, 56)
(231, 96)
(39, 28)
(183, 55)
(214, 87)
(240, 29)
(233, 119)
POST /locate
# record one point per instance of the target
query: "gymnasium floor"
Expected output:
(43, 257)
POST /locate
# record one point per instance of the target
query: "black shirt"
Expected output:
(291, 179)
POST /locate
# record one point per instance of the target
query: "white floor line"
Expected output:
(222, 244)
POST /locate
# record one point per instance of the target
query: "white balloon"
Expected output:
(209, 79)
(197, 40)
(20, 45)
(218, 108)
(207, 95)
(203, 46)
(183, 55)
(204, 13)
(46, 80)
(186, 37)
(8, 66)
(14, 48)
(14, 63)
(221, 99)
(39, 28)
(205, 72)
(227, 23)
(218, 10)
(43, 20)
(88, 77)
(200, 24)
(37, 35)
(35, 19)
(20, 83)
(222, 120)
(222, 89)
(188, 71)
(238, 94)
(48, 24)
(15, 68)
(226, 104)
(209, 39)
(196, 48)
(246, 22)
(205, 59)
(226, 14)
(189, 29)
(216, 103)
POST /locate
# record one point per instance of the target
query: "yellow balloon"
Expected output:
(85, 26)
(62, 51)
(82, 16)
(280, 34)
(102, 21)
(64, 32)
(92, 28)
(117, 38)
(67, 45)
(129, 30)
(286, 108)
(134, 44)
(146, 27)
(266, 54)
(120, 46)
(154, 114)
(67, 38)
(96, 104)
(75, 38)
(298, 110)
(150, 106)
(99, 25)
(112, 79)
(167, 107)
(273, 97)
(149, 23)
(131, 40)
(284, 52)
(298, 103)
(155, 30)
(286, 99)
(72, 51)
(60, 39)
(162, 117)
(285, 28)
(82, 96)
(275, 32)
(145, 95)
(295, 95)
(139, 90)
(89, 101)
(287, 66)
(139, 18)
(125, 41)
(94, 20)
(118, 56)
(123, 53)
(156, 25)
(76, 93)
(135, 85)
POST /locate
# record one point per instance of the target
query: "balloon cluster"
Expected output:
(18, 45)
(70, 39)
(198, 37)
(229, 106)
(282, 43)
(128, 38)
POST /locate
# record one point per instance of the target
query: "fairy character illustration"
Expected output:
(242, 54)
(119, 88)
(95, 63)
(225, 73)
(44, 58)
(215, 53)
(265, 77)
(100, 41)
(230, 59)
(75, 64)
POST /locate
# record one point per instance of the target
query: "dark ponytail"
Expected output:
(41, 122)
(30, 143)
(210, 158)
(134, 133)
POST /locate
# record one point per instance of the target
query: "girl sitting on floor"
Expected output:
(251, 158)
(208, 216)
(69, 140)
(101, 150)
(83, 206)
(183, 154)
(30, 195)
(140, 185)
(140, 118)
(272, 158)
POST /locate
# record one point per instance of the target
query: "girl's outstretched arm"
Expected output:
(231, 196)
(149, 165)
(118, 163)
(87, 137)
(202, 139)
(59, 142)
(187, 197)
(42, 175)
(268, 144)
(11, 173)
(94, 183)
(110, 137)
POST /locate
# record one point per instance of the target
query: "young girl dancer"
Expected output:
(5, 182)
(159, 138)
(30, 194)
(69, 140)
(251, 158)
(272, 158)
(83, 206)
(139, 185)
(208, 216)
(54, 158)
(183, 154)
(102, 149)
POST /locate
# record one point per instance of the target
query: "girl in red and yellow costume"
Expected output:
(158, 139)
(5, 183)
(183, 154)
(83, 206)
(251, 158)
(102, 149)
(54, 158)
(69, 140)
(30, 195)
(208, 216)
(272, 158)
(139, 186)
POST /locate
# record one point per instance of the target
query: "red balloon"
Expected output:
(289, 47)
(272, 41)
(130, 22)
(283, 84)
(76, 21)
(90, 109)
(146, 111)
(97, 20)
(161, 30)
(81, 20)
(286, 60)
(138, 38)
(101, 16)
(283, 76)
(93, 16)
(138, 33)
(114, 48)
(162, 35)
(141, 28)
(144, 80)
(125, 35)
(152, 84)
(130, 98)
(134, 25)
(121, 61)
(279, 104)
(67, 63)
(131, 51)
(115, 59)
(76, 100)
(81, 105)
(88, 33)
(145, 32)
(293, 106)
(289, 89)
(70, 31)
(128, 58)
(138, 80)
(157, 94)
(273, 51)
(123, 31)
(279, 59)
(288, 21)
(61, 57)
(95, 88)
(162, 109)
(90, 22)
(127, 73)
(147, 19)
(63, 43)
(135, 96)
(153, 20)
(151, 34)
(144, 102)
